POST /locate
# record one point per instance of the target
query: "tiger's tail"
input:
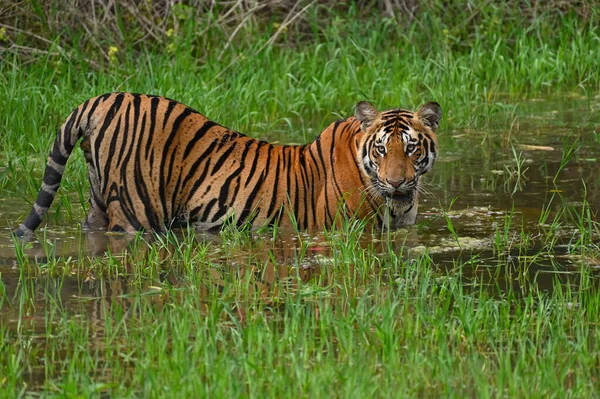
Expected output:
(70, 132)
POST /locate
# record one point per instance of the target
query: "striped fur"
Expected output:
(154, 163)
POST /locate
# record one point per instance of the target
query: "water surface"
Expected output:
(476, 188)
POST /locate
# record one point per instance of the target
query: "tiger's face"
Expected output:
(397, 148)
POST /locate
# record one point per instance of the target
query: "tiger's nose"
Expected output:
(396, 183)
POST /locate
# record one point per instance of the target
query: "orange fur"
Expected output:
(155, 164)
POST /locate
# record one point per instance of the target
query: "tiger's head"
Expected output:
(397, 148)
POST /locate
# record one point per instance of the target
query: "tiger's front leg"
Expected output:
(410, 217)
(403, 216)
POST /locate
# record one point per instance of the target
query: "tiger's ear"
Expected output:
(430, 114)
(366, 114)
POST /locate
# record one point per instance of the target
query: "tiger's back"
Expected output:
(154, 163)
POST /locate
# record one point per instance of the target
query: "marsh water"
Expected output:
(490, 188)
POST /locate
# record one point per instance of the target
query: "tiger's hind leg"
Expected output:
(97, 218)
(117, 221)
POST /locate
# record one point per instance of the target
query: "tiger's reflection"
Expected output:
(105, 271)
(99, 276)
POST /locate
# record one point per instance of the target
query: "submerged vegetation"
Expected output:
(494, 293)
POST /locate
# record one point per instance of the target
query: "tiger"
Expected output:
(155, 164)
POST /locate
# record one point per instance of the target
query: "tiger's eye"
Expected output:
(380, 149)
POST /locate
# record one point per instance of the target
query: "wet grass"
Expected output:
(176, 314)
(438, 310)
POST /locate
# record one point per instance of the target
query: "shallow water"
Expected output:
(473, 185)
(471, 182)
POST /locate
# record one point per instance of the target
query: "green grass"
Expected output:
(173, 318)
(345, 313)
(291, 93)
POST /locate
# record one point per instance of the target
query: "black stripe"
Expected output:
(101, 132)
(194, 213)
(274, 193)
(128, 208)
(83, 108)
(94, 105)
(313, 195)
(51, 176)
(56, 153)
(287, 162)
(142, 191)
(235, 191)
(117, 229)
(140, 184)
(110, 156)
(153, 107)
(222, 159)
(33, 220)
(68, 132)
(287, 166)
(199, 134)
(296, 196)
(314, 161)
(198, 182)
(304, 184)
(225, 187)
(127, 203)
(225, 138)
(194, 168)
(113, 194)
(329, 217)
(333, 168)
(44, 199)
(239, 170)
(261, 179)
(186, 112)
(124, 134)
(209, 206)
(250, 200)
(432, 149)
(171, 164)
(142, 131)
(163, 164)
(169, 176)
(136, 118)
(170, 107)
(151, 160)
(222, 198)
(139, 180)
(255, 161)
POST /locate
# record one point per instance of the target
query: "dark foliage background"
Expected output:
(89, 28)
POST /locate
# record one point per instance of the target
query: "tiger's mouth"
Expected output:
(402, 196)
